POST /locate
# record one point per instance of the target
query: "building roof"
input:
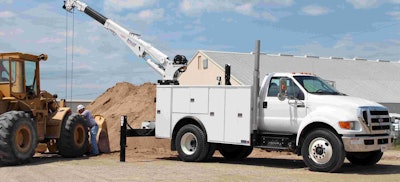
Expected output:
(374, 80)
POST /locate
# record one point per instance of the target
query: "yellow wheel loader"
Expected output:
(31, 120)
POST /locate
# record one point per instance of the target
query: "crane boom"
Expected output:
(169, 70)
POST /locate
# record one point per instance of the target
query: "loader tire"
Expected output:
(18, 137)
(73, 141)
(191, 143)
(234, 152)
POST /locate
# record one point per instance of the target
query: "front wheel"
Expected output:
(191, 143)
(323, 151)
(73, 141)
(18, 137)
(364, 158)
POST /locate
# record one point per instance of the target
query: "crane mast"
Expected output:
(169, 70)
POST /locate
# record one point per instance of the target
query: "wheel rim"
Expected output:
(23, 138)
(189, 143)
(79, 136)
(320, 150)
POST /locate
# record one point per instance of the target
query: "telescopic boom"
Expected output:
(170, 70)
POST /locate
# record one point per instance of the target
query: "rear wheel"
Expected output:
(235, 152)
(73, 141)
(323, 151)
(191, 143)
(18, 137)
(364, 158)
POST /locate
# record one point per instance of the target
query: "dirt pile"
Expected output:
(137, 103)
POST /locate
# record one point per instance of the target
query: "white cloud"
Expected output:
(119, 5)
(6, 1)
(364, 4)
(70, 33)
(151, 15)
(246, 9)
(16, 31)
(46, 40)
(314, 10)
(196, 8)
(395, 14)
(280, 2)
(6, 14)
(146, 16)
(367, 4)
(78, 50)
(2, 34)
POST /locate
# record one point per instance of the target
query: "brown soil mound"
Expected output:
(137, 103)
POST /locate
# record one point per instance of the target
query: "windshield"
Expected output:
(316, 85)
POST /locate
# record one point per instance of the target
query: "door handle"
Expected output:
(300, 105)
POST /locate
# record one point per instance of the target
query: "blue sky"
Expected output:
(367, 29)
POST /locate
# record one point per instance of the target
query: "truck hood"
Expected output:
(345, 102)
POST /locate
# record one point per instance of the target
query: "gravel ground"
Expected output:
(159, 167)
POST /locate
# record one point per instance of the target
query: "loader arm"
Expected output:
(168, 69)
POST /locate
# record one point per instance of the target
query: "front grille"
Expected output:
(376, 118)
(383, 141)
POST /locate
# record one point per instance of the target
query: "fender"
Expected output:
(55, 124)
(180, 123)
(327, 115)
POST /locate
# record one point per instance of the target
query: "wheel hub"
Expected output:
(320, 150)
(189, 143)
(23, 139)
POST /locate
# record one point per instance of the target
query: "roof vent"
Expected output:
(288, 55)
(335, 58)
(310, 56)
(359, 59)
(384, 61)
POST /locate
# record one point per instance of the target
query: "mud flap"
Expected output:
(102, 136)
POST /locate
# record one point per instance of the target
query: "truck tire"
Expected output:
(73, 141)
(323, 151)
(191, 143)
(364, 158)
(234, 152)
(18, 137)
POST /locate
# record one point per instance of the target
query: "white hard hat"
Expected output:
(80, 106)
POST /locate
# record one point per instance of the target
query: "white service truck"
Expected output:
(294, 112)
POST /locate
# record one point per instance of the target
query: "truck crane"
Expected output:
(170, 70)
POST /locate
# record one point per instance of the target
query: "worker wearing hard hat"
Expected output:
(93, 128)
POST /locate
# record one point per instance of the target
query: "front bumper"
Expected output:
(367, 143)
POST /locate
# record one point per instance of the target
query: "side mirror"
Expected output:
(282, 89)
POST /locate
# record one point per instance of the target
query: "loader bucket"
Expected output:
(102, 136)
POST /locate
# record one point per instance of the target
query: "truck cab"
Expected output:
(293, 105)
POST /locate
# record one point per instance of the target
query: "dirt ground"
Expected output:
(159, 166)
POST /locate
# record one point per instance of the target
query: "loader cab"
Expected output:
(19, 75)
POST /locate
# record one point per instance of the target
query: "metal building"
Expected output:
(376, 80)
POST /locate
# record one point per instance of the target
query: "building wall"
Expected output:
(393, 107)
(74, 103)
(197, 74)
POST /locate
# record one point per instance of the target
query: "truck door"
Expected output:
(283, 116)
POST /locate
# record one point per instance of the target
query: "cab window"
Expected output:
(292, 89)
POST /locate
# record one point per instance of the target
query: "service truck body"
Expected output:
(224, 113)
